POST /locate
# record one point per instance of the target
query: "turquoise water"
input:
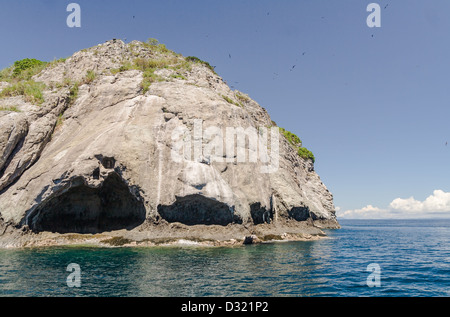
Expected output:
(414, 257)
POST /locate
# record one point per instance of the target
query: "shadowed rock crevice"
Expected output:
(260, 214)
(198, 210)
(10, 180)
(90, 210)
(300, 213)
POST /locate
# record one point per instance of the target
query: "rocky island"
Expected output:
(128, 145)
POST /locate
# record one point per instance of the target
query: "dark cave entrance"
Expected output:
(300, 213)
(91, 210)
(198, 210)
(260, 214)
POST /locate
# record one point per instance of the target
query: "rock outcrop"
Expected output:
(102, 154)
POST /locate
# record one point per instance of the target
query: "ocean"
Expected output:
(368, 258)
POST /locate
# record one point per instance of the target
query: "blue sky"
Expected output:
(371, 103)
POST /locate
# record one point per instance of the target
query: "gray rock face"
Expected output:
(105, 161)
(14, 128)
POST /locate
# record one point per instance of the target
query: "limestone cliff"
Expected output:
(96, 155)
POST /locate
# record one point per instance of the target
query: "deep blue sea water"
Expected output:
(413, 257)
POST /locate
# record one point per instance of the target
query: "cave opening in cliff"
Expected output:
(198, 210)
(300, 213)
(260, 214)
(91, 210)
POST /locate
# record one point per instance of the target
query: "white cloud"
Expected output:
(436, 205)
(367, 212)
(438, 202)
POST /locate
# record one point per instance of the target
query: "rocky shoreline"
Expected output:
(169, 234)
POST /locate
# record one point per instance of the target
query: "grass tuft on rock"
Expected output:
(297, 144)
(31, 91)
(10, 109)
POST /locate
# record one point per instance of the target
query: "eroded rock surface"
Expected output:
(103, 161)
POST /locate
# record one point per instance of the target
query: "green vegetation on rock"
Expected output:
(19, 76)
(198, 60)
(22, 70)
(291, 137)
(90, 77)
(73, 93)
(28, 64)
(154, 45)
(229, 100)
(165, 59)
(160, 58)
(125, 66)
(242, 97)
(31, 91)
(10, 108)
(306, 154)
(117, 241)
(295, 141)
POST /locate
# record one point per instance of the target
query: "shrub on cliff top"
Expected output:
(154, 45)
(297, 143)
(198, 60)
(291, 137)
(27, 63)
(22, 70)
(306, 154)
